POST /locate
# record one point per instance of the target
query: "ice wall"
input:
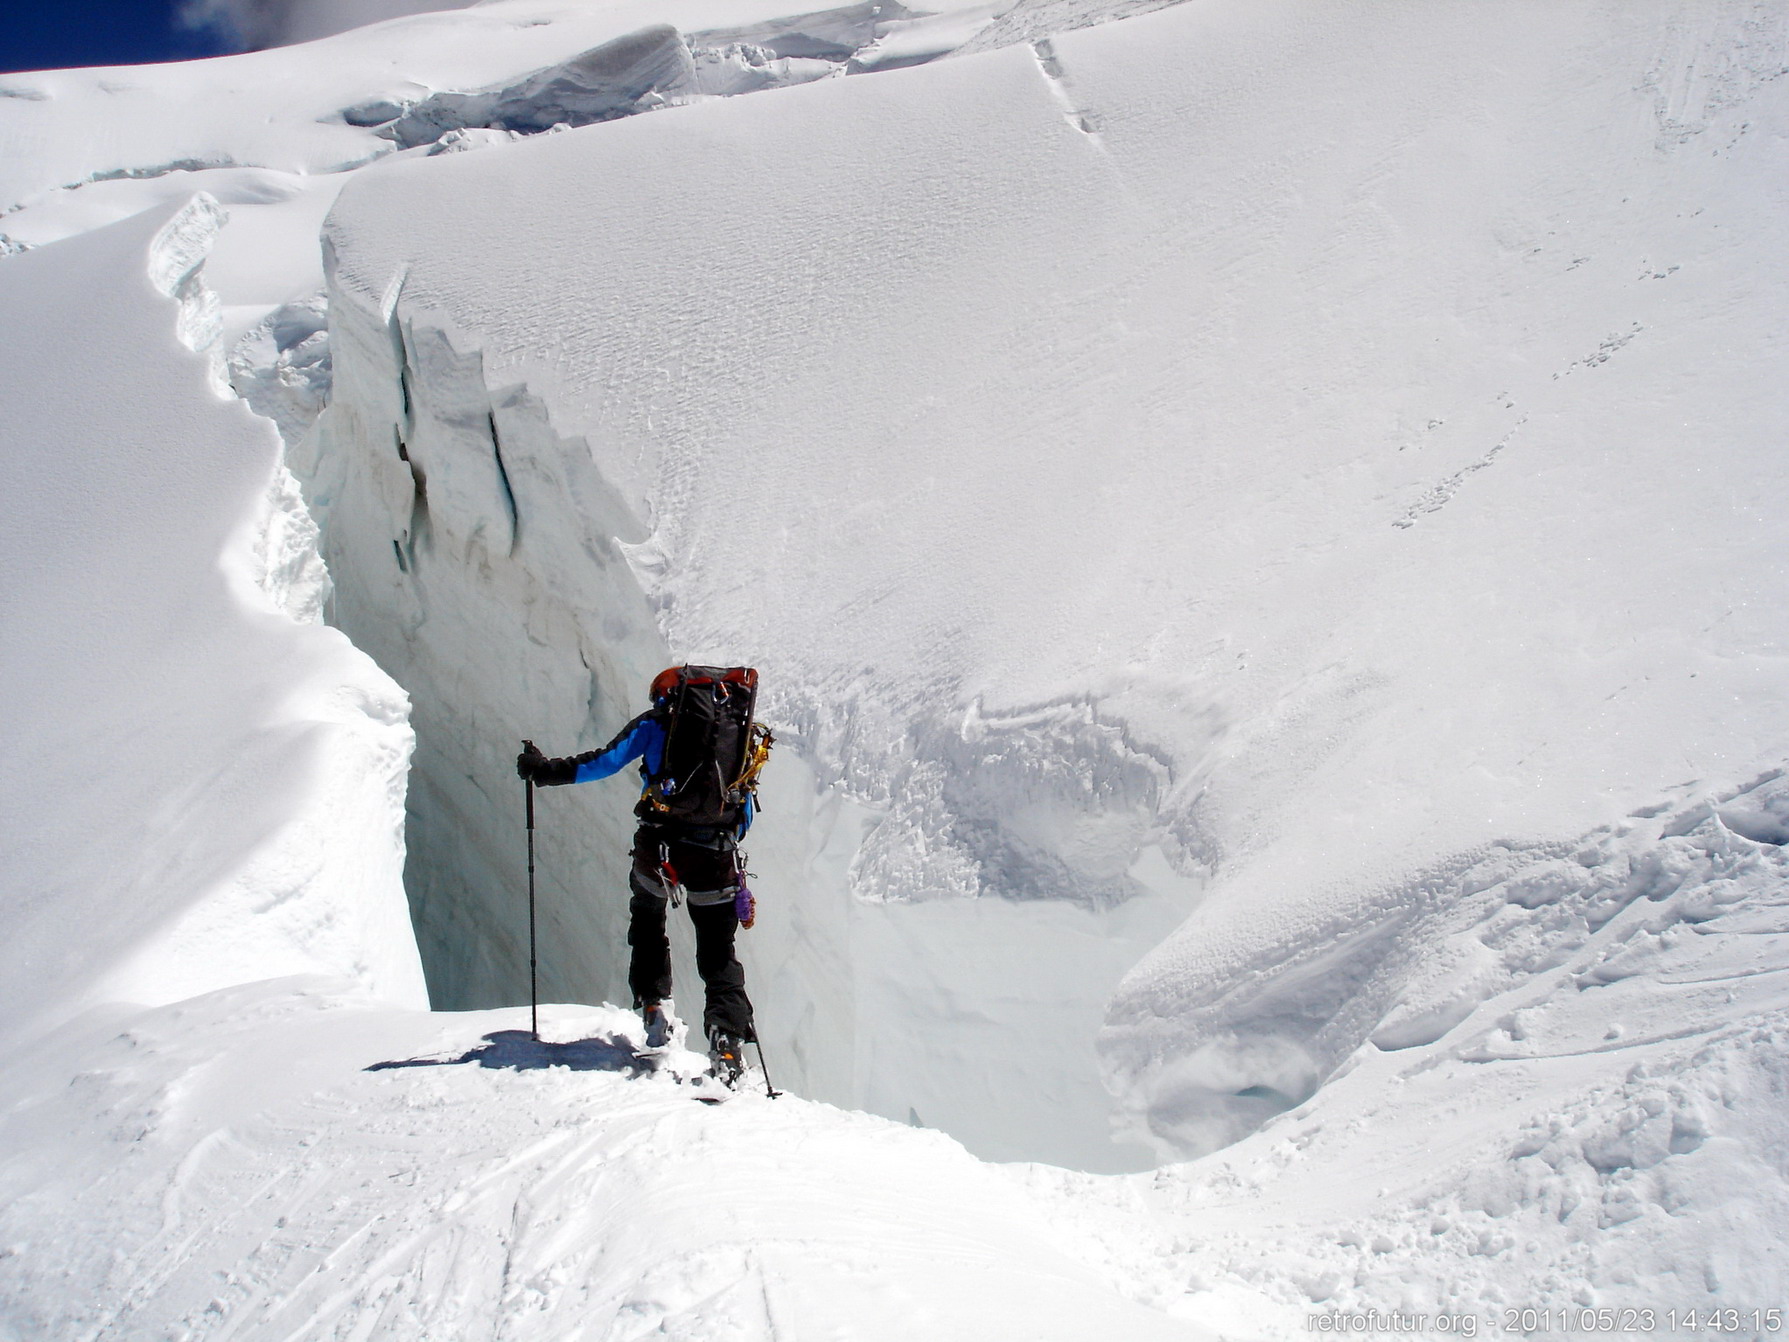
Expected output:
(433, 490)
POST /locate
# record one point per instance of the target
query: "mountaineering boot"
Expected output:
(658, 1024)
(726, 1058)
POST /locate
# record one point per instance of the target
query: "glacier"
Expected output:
(1256, 525)
(1016, 708)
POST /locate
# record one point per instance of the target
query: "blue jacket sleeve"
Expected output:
(643, 738)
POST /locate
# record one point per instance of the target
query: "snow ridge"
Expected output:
(158, 596)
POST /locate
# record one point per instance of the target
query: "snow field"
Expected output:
(511, 1195)
(273, 134)
(199, 790)
(311, 109)
(1308, 466)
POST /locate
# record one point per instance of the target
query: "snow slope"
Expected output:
(1578, 1102)
(532, 1192)
(273, 132)
(1305, 465)
(312, 109)
(200, 789)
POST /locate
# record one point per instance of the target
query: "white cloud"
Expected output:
(253, 24)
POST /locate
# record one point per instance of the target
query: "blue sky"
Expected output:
(50, 34)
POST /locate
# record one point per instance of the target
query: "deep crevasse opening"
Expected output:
(482, 560)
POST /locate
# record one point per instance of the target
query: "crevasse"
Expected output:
(487, 563)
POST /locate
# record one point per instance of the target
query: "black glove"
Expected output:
(537, 769)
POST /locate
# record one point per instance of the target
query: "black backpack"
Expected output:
(713, 753)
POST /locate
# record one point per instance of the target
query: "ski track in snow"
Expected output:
(529, 1201)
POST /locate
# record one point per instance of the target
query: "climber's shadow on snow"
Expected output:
(522, 1052)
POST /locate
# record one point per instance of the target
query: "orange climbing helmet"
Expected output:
(665, 681)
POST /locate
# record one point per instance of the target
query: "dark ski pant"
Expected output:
(649, 969)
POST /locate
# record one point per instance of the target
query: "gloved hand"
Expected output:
(528, 763)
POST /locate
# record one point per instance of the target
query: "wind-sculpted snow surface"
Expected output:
(1572, 1099)
(321, 107)
(89, 146)
(1672, 897)
(199, 790)
(658, 66)
(272, 135)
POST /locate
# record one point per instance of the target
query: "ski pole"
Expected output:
(769, 1089)
(533, 991)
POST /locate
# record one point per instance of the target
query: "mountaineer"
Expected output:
(700, 751)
